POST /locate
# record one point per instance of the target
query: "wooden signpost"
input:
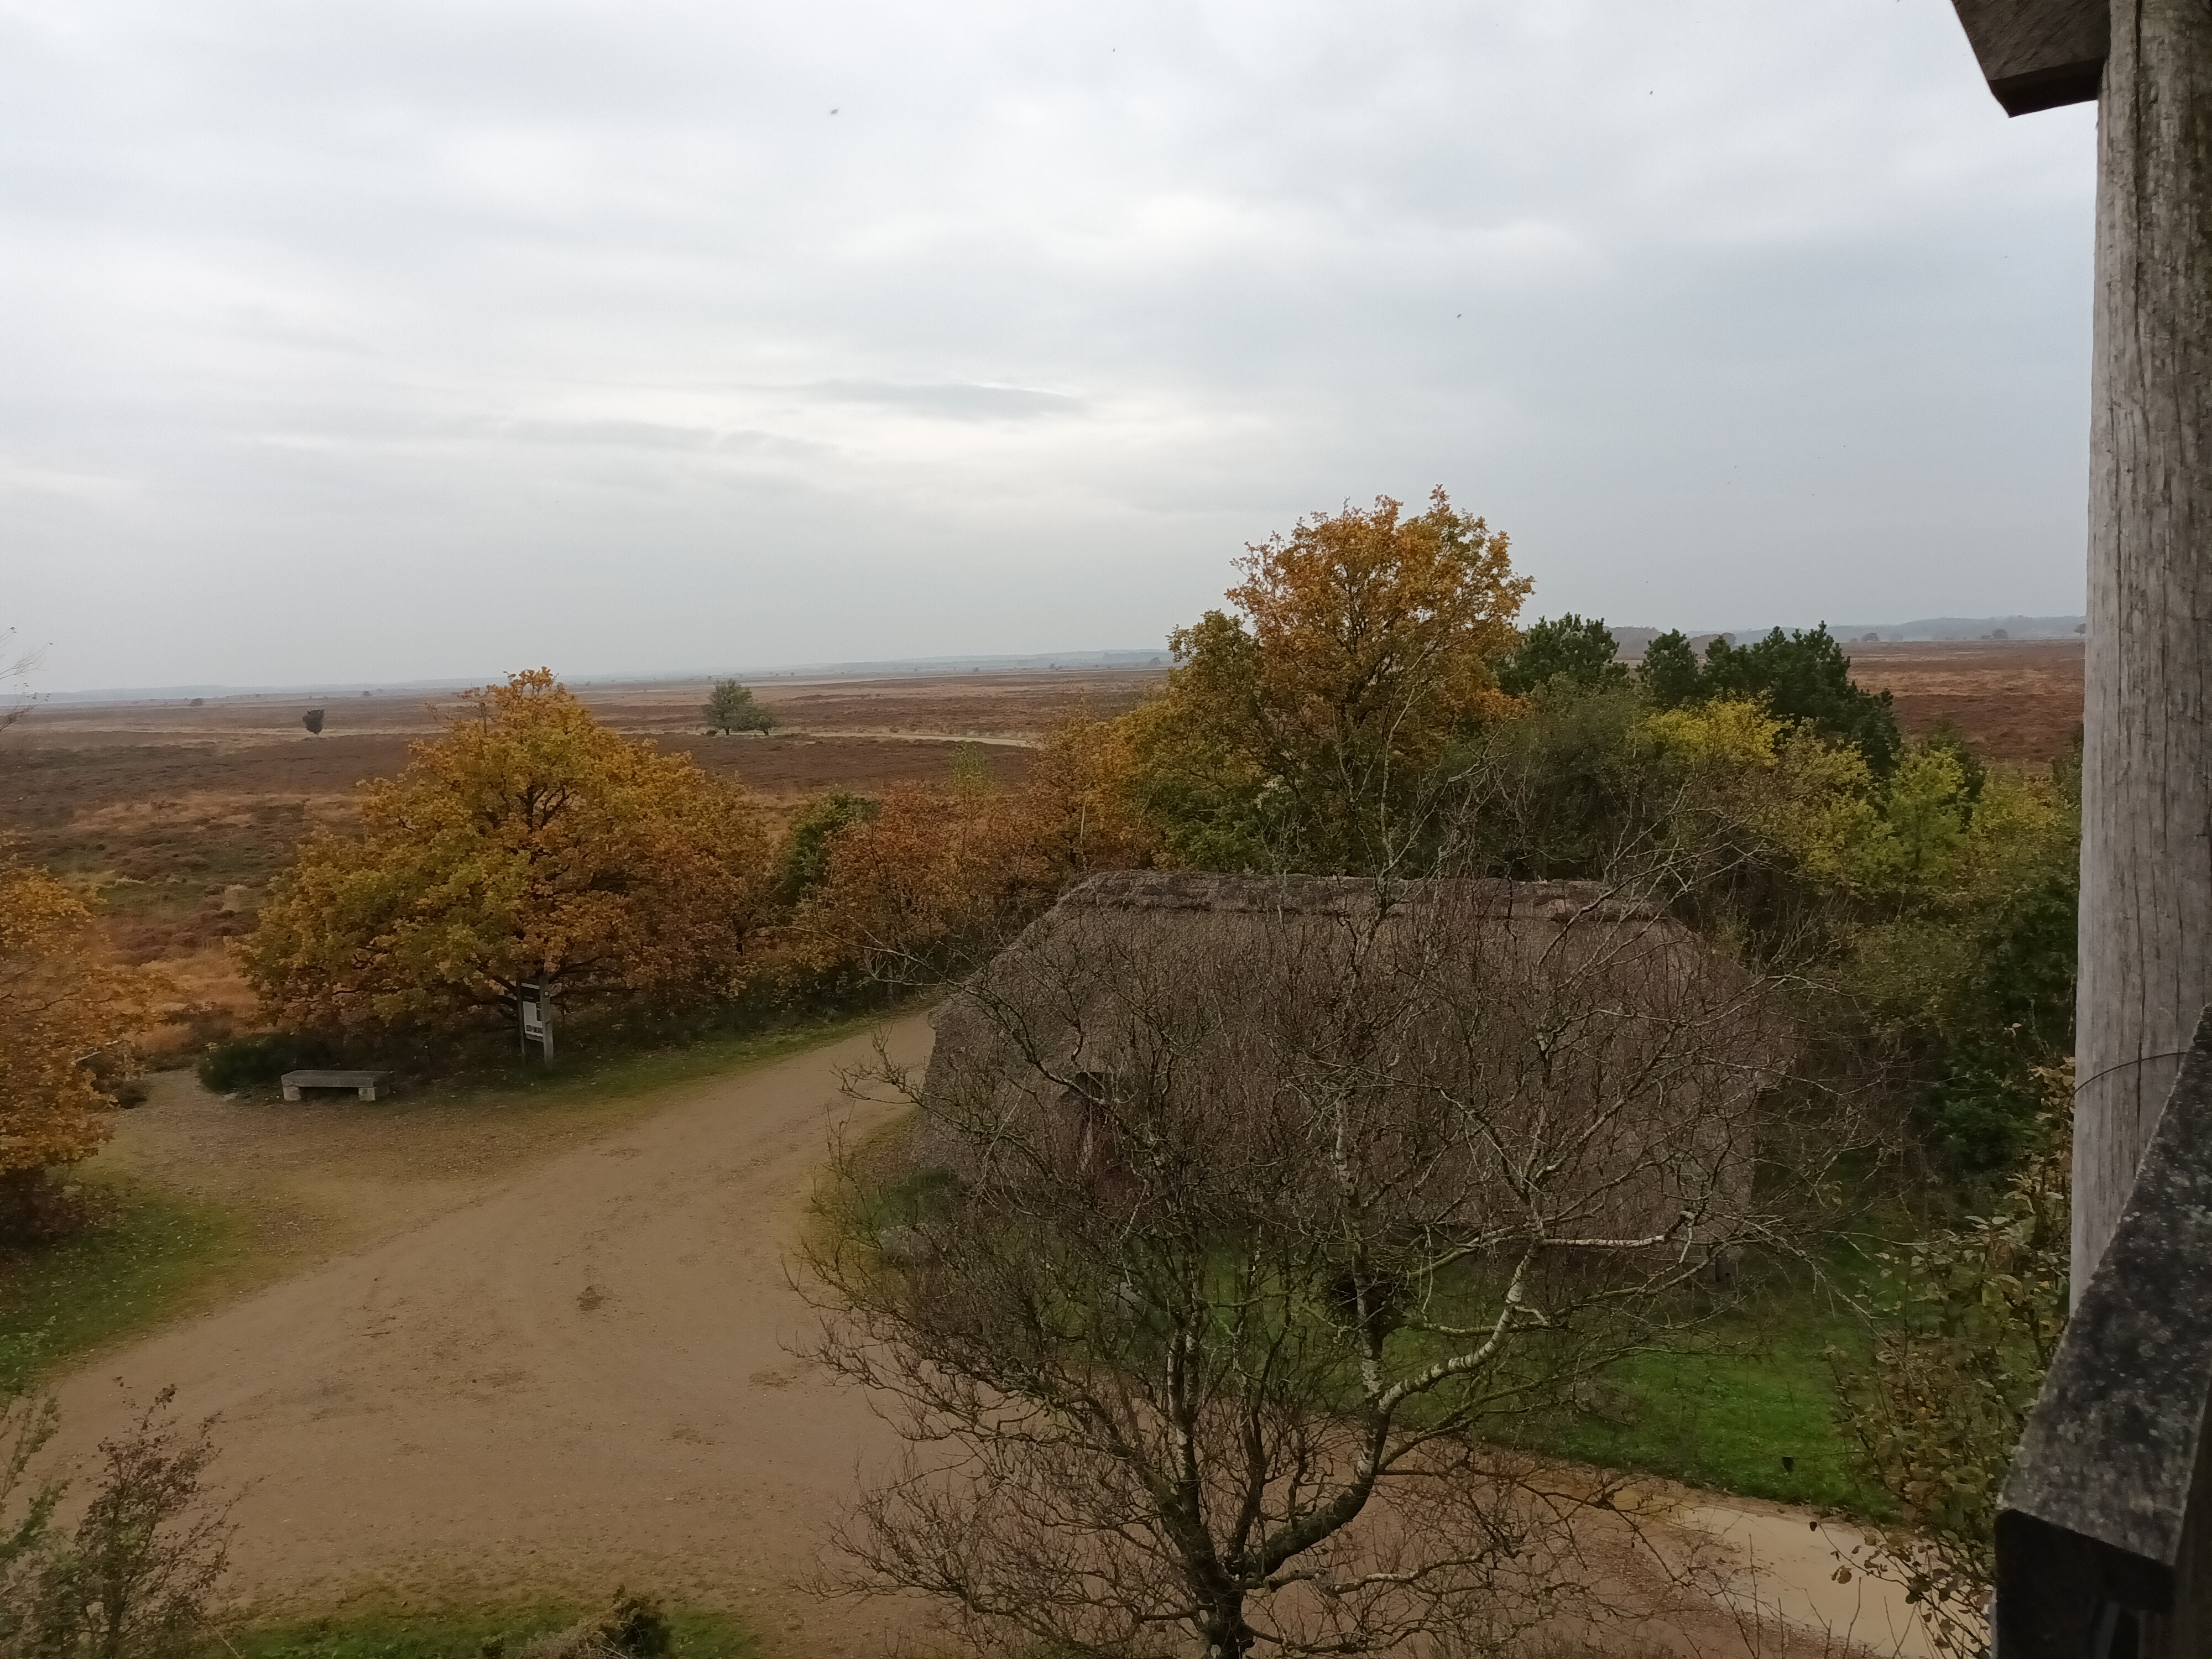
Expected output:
(2146, 927)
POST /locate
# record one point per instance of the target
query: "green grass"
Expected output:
(115, 1276)
(1726, 1416)
(612, 1066)
(461, 1633)
(620, 1072)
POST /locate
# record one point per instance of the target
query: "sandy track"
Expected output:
(583, 1376)
(580, 1378)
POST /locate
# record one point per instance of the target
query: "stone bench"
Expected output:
(364, 1083)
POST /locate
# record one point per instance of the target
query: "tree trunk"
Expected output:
(1223, 1631)
(2147, 775)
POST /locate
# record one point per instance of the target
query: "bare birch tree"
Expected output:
(1249, 1219)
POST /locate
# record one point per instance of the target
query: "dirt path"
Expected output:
(578, 1379)
(555, 1376)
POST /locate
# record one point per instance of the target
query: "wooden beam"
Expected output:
(2038, 54)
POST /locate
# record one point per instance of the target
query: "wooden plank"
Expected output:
(2039, 54)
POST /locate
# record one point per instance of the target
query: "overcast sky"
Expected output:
(440, 337)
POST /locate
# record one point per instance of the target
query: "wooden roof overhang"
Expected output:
(2039, 54)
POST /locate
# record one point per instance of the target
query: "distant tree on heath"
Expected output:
(527, 844)
(1304, 729)
(64, 1018)
(732, 707)
(1582, 651)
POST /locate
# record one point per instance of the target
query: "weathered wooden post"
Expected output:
(2146, 760)
(2147, 765)
(2146, 930)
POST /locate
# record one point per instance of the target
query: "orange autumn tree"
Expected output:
(934, 878)
(65, 1016)
(1305, 730)
(527, 844)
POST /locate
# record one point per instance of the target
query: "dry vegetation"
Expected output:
(2017, 699)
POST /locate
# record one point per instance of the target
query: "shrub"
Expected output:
(137, 1576)
(806, 857)
(635, 1626)
(248, 1061)
(65, 1019)
(1966, 1322)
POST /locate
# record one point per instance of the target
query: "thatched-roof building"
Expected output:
(1543, 1063)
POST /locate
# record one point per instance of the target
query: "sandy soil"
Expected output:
(579, 1378)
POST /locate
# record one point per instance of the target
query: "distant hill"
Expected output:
(1966, 628)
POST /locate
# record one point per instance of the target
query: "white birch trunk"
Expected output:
(2147, 782)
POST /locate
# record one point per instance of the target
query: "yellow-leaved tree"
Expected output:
(1306, 729)
(528, 844)
(65, 1016)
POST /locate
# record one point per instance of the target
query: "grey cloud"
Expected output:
(1722, 309)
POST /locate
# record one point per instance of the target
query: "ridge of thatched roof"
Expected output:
(1171, 890)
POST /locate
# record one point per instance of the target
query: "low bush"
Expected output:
(249, 1061)
(136, 1577)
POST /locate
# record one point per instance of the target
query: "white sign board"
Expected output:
(537, 1016)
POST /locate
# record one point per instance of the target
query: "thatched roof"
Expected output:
(1573, 1028)
(1167, 891)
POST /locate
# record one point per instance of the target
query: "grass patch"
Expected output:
(1754, 1391)
(1726, 1418)
(615, 1070)
(117, 1275)
(622, 1073)
(462, 1633)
